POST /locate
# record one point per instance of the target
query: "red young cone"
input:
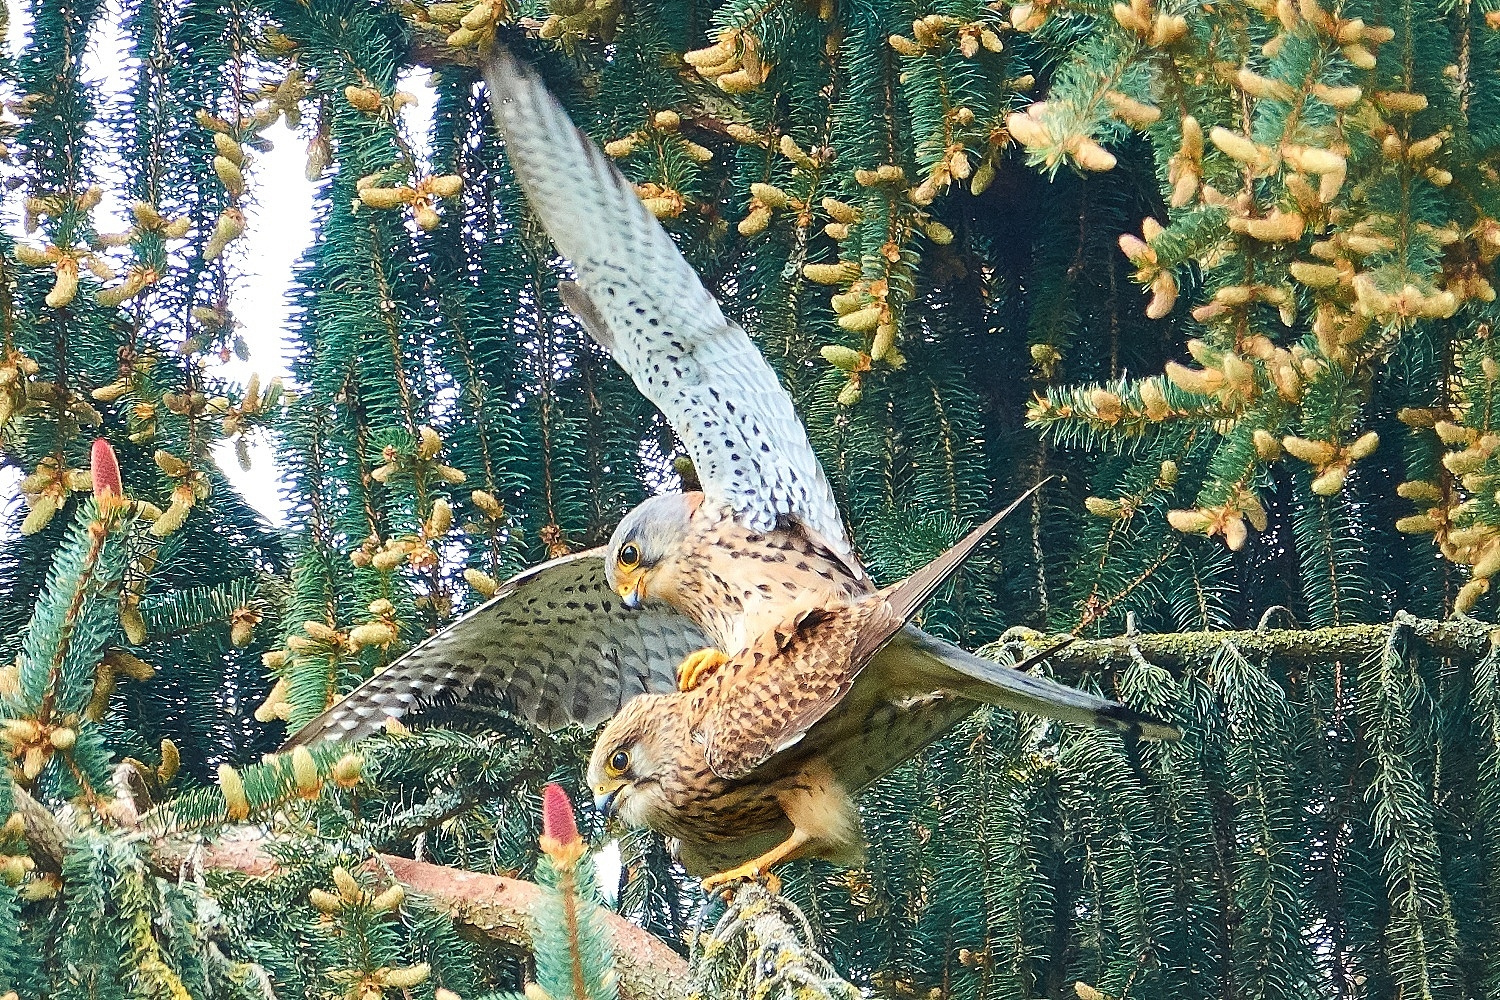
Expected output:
(560, 837)
(557, 815)
(106, 470)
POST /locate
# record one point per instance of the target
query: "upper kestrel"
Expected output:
(759, 557)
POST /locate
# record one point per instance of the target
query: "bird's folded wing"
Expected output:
(638, 296)
(798, 674)
(554, 644)
(805, 667)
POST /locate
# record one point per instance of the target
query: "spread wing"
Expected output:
(638, 296)
(554, 642)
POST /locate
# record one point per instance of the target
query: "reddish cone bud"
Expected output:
(105, 470)
(560, 837)
(557, 815)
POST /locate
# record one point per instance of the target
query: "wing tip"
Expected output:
(310, 735)
(338, 725)
(503, 72)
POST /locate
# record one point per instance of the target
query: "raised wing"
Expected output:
(639, 297)
(554, 643)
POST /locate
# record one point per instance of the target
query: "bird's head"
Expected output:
(633, 753)
(648, 537)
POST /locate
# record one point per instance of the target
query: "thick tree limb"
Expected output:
(501, 908)
(46, 838)
(489, 905)
(1461, 637)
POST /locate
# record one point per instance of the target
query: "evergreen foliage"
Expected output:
(1226, 270)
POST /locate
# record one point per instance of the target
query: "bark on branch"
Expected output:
(487, 905)
(500, 908)
(46, 838)
(1461, 637)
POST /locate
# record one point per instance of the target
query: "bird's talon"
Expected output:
(748, 872)
(696, 665)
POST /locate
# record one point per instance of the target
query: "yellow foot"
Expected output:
(747, 872)
(696, 665)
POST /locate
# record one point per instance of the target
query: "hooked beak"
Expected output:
(606, 802)
(630, 591)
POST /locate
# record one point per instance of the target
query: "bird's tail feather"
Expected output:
(987, 681)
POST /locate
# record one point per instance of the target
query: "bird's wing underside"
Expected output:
(554, 644)
(638, 296)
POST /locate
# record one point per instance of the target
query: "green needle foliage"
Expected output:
(1226, 271)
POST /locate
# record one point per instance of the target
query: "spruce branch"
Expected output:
(1458, 637)
(488, 906)
(762, 945)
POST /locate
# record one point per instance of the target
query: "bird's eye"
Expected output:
(630, 555)
(618, 762)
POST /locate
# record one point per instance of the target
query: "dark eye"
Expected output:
(630, 555)
(619, 762)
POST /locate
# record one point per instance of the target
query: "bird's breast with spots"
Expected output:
(738, 584)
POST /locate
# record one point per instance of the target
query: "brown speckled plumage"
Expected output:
(736, 584)
(773, 744)
(825, 687)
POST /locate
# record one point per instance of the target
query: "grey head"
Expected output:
(640, 552)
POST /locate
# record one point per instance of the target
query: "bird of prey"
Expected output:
(705, 580)
(759, 763)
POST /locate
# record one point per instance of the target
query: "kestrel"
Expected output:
(760, 763)
(751, 585)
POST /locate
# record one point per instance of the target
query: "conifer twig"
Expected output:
(1463, 637)
(46, 838)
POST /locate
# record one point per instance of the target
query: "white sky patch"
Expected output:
(279, 229)
(109, 68)
(18, 35)
(607, 867)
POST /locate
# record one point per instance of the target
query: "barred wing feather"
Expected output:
(554, 643)
(642, 301)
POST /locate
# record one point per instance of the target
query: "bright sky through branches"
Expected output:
(279, 214)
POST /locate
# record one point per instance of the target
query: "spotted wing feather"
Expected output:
(773, 695)
(643, 302)
(553, 643)
(783, 685)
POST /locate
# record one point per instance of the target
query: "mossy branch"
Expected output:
(1459, 637)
